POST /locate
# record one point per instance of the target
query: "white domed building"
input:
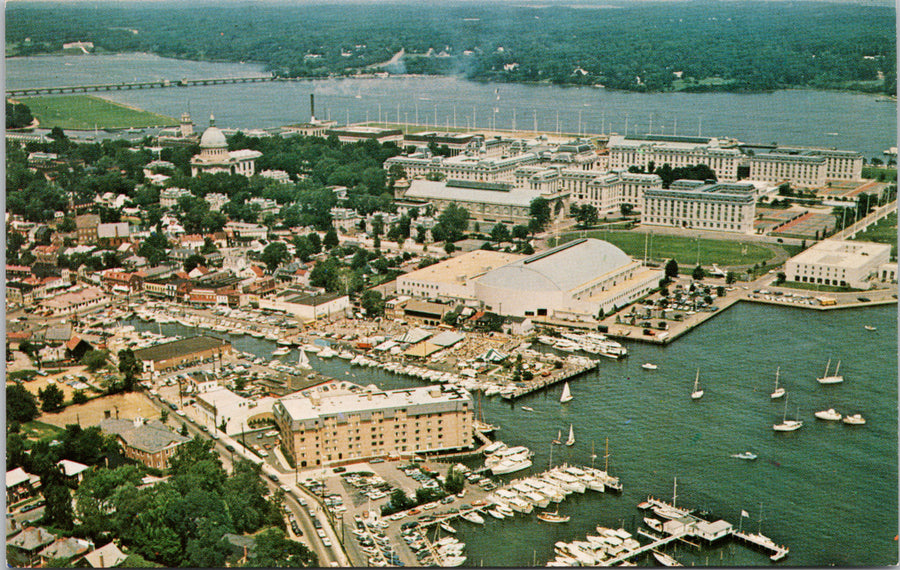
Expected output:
(571, 281)
(215, 157)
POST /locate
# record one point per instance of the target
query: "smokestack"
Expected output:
(312, 108)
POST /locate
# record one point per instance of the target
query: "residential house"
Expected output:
(46, 253)
(192, 241)
(20, 485)
(108, 556)
(73, 470)
(86, 227)
(76, 347)
(65, 549)
(23, 548)
(113, 234)
(149, 442)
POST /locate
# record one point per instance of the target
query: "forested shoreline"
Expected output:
(644, 47)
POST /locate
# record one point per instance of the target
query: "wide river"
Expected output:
(797, 117)
(827, 491)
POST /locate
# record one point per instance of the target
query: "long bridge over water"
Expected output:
(156, 84)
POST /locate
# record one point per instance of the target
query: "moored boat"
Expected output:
(472, 517)
(649, 366)
(778, 392)
(830, 414)
(554, 517)
(854, 420)
(745, 455)
(834, 377)
(654, 524)
(697, 393)
(665, 559)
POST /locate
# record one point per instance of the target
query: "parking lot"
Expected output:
(355, 494)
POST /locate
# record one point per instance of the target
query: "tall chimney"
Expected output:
(312, 107)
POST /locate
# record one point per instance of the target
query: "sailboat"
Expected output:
(779, 392)
(665, 559)
(786, 424)
(558, 440)
(566, 394)
(571, 441)
(697, 393)
(303, 360)
(834, 378)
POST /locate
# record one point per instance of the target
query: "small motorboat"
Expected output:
(472, 517)
(854, 420)
(746, 455)
(446, 527)
(870, 328)
(649, 366)
(527, 409)
(653, 523)
(830, 414)
(553, 517)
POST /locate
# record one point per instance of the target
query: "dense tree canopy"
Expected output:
(745, 46)
(21, 405)
(17, 115)
(181, 522)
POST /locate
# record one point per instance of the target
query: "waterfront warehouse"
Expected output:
(184, 351)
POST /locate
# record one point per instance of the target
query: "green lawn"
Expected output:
(87, 112)
(682, 249)
(875, 172)
(38, 430)
(885, 231)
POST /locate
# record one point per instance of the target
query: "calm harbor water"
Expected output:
(827, 491)
(797, 117)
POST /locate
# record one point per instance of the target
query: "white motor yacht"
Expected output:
(854, 420)
(830, 414)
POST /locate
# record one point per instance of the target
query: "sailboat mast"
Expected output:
(606, 457)
(675, 491)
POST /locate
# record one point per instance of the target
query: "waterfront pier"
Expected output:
(543, 382)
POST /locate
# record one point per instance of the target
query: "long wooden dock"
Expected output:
(638, 551)
(538, 384)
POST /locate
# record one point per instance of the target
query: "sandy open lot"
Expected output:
(127, 406)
